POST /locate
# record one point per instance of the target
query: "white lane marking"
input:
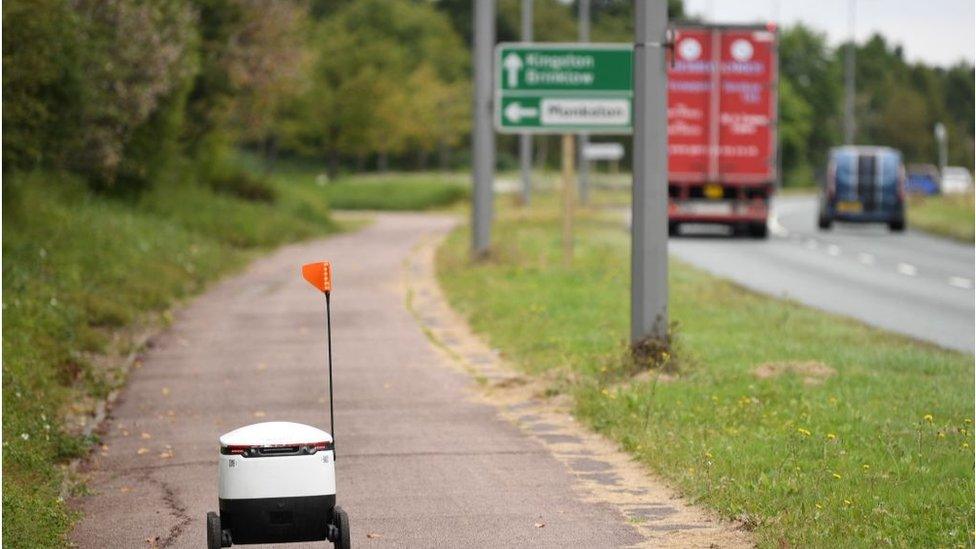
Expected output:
(907, 269)
(776, 227)
(867, 259)
(833, 250)
(811, 244)
(960, 282)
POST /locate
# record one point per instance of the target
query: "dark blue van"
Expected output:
(864, 185)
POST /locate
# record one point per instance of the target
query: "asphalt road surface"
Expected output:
(419, 463)
(911, 283)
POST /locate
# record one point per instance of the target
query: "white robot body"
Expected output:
(276, 482)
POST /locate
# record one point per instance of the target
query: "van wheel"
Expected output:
(897, 226)
(758, 230)
(673, 229)
(824, 223)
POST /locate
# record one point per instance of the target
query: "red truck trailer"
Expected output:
(722, 122)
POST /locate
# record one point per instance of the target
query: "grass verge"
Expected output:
(79, 267)
(944, 215)
(810, 428)
(390, 191)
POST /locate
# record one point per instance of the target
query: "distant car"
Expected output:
(863, 185)
(956, 179)
(922, 179)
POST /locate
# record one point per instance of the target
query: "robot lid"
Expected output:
(275, 434)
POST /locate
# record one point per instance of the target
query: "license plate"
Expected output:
(713, 191)
(701, 207)
(849, 207)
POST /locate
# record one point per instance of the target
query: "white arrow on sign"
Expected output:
(514, 112)
(512, 65)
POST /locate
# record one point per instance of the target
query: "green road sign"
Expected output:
(563, 88)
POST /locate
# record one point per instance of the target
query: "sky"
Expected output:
(940, 32)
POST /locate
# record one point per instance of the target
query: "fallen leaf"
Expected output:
(145, 436)
(166, 455)
(165, 391)
(141, 451)
(125, 433)
(540, 525)
(373, 535)
(259, 413)
(124, 489)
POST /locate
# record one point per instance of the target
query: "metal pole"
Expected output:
(584, 139)
(649, 242)
(328, 329)
(525, 140)
(941, 138)
(483, 136)
(568, 199)
(850, 127)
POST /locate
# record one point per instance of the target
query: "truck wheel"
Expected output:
(213, 531)
(342, 525)
(759, 230)
(824, 223)
(897, 226)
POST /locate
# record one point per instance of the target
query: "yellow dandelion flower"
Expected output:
(831, 436)
(803, 431)
(967, 421)
(818, 506)
(836, 476)
(848, 502)
(865, 466)
(708, 454)
(928, 418)
(605, 392)
(941, 434)
(965, 445)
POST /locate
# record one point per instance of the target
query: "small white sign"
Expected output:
(585, 112)
(603, 151)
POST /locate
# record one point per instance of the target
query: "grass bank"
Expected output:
(812, 429)
(944, 215)
(78, 270)
(379, 191)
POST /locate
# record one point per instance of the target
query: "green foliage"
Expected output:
(374, 62)
(812, 429)
(43, 82)
(78, 264)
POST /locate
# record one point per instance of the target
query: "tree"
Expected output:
(795, 128)
(43, 82)
(135, 87)
(813, 75)
(381, 70)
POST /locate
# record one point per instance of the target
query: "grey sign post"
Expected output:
(525, 140)
(482, 137)
(584, 165)
(649, 243)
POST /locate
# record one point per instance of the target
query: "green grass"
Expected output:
(389, 191)
(945, 215)
(879, 453)
(77, 267)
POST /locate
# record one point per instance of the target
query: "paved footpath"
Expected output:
(421, 463)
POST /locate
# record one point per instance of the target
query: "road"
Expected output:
(420, 462)
(910, 283)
